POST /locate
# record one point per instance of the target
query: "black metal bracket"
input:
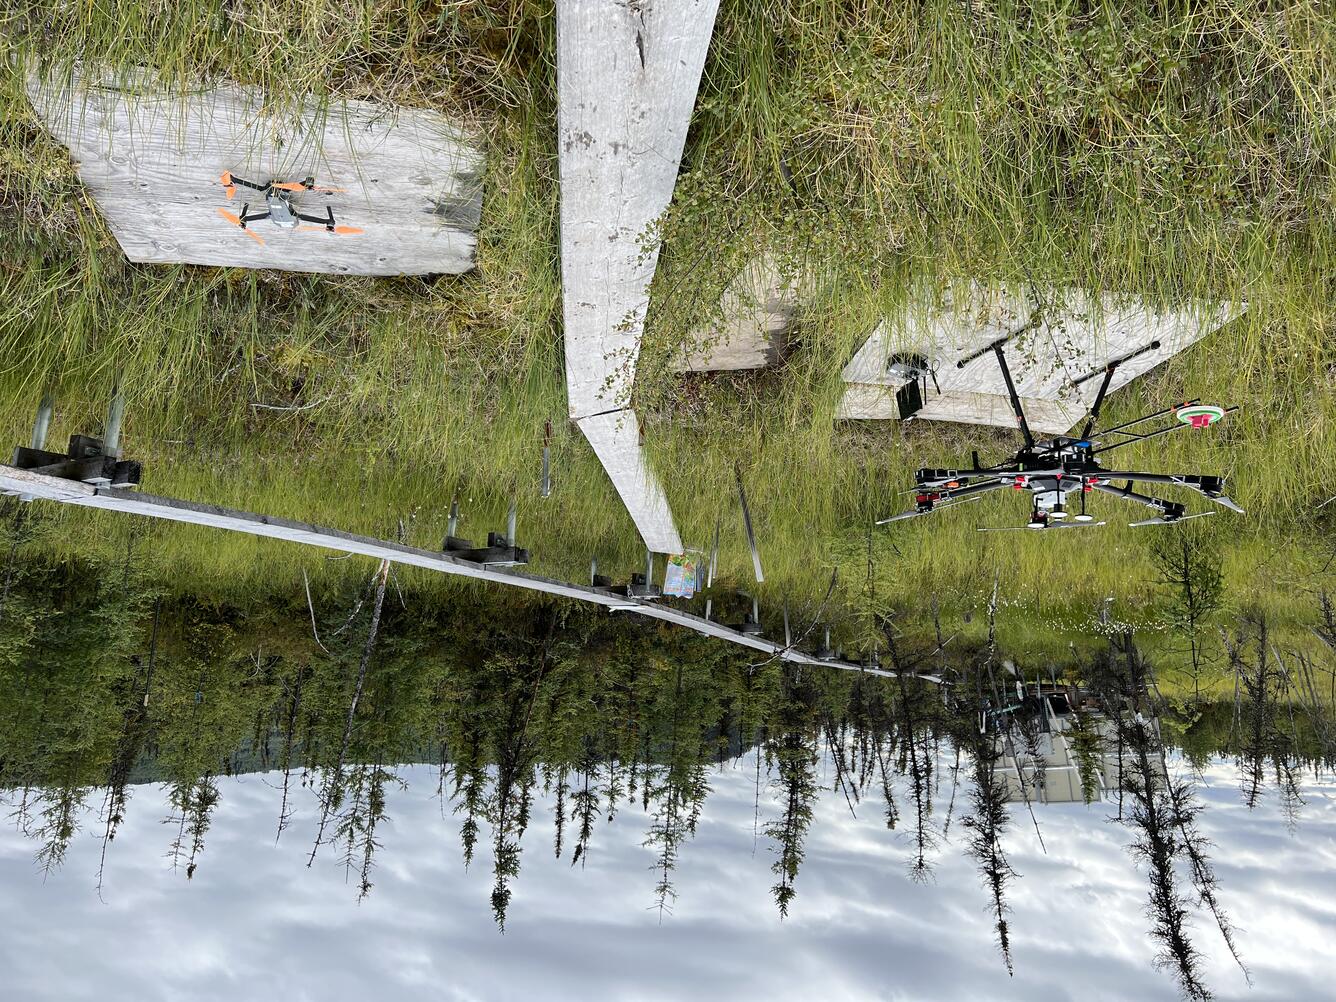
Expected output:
(84, 462)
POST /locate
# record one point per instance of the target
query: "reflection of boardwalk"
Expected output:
(1047, 769)
(17, 481)
(627, 75)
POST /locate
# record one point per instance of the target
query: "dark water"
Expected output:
(487, 801)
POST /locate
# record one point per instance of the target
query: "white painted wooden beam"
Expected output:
(627, 75)
(152, 162)
(36, 485)
(615, 438)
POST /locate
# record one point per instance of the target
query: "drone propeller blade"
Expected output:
(1078, 525)
(235, 220)
(1002, 528)
(901, 517)
(1160, 520)
(229, 189)
(347, 230)
(325, 229)
(299, 186)
(1225, 502)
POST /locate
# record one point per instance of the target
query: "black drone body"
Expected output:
(1059, 471)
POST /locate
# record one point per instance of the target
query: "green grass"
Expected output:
(884, 152)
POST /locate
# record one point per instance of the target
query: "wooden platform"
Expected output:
(1046, 362)
(152, 162)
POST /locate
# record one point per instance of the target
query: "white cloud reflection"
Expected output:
(256, 923)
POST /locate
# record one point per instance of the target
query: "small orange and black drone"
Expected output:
(278, 207)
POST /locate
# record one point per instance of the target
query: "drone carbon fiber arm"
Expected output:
(945, 499)
(1209, 487)
(1131, 495)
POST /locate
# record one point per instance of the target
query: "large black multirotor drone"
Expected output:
(1054, 469)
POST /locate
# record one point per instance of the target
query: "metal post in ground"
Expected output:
(546, 488)
(111, 435)
(747, 526)
(42, 424)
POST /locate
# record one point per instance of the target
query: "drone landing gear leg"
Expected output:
(1109, 370)
(1012, 395)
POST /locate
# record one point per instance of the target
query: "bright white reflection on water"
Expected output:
(254, 922)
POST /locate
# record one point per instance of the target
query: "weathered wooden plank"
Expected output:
(1071, 342)
(615, 439)
(627, 74)
(152, 163)
(17, 481)
(755, 312)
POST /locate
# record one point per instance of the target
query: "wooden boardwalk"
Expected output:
(627, 75)
(17, 481)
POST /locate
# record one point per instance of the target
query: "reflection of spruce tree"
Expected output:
(664, 788)
(516, 757)
(919, 764)
(355, 827)
(192, 803)
(1263, 740)
(986, 824)
(1190, 566)
(133, 732)
(584, 802)
(332, 792)
(792, 750)
(290, 713)
(1161, 813)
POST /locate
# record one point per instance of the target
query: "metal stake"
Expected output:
(43, 423)
(751, 536)
(546, 488)
(111, 437)
(714, 557)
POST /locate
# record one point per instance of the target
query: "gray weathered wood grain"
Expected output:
(152, 163)
(1078, 338)
(755, 311)
(627, 74)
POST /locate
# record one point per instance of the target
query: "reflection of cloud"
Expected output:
(255, 923)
